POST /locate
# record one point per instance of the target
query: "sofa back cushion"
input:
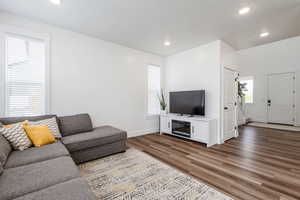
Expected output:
(71, 125)
(5, 150)
(13, 120)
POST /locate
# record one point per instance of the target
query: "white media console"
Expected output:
(198, 129)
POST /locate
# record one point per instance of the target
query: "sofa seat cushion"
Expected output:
(99, 136)
(36, 154)
(75, 189)
(16, 182)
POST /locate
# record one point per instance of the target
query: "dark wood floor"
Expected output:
(259, 164)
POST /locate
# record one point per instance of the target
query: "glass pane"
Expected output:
(17, 51)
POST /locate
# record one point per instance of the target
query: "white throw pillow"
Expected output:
(16, 136)
(52, 125)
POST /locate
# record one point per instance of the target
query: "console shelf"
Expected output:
(199, 129)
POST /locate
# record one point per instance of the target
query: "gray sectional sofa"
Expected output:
(49, 172)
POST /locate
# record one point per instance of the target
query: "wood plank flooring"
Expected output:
(260, 164)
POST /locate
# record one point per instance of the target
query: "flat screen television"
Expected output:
(188, 102)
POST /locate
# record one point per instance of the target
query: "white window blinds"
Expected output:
(153, 90)
(25, 77)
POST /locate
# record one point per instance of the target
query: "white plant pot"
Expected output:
(163, 112)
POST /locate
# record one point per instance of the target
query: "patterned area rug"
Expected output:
(134, 175)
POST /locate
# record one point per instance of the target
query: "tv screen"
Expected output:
(188, 102)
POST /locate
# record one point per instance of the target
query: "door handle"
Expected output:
(168, 124)
(269, 102)
(225, 108)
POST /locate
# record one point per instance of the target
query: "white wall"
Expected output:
(277, 57)
(197, 69)
(89, 75)
(228, 56)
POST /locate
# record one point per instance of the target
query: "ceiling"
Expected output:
(146, 24)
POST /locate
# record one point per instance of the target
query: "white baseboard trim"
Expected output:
(142, 132)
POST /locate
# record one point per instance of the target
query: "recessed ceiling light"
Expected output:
(56, 2)
(264, 34)
(244, 10)
(167, 43)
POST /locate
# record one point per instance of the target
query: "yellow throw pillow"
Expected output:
(40, 135)
(11, 125)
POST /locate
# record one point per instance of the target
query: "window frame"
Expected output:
(148, 115)
(249, 78)
(5, 31)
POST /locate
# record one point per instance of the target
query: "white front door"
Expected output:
(281, 100)
(230, 102)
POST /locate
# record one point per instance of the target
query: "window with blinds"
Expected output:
(153, 90)
(25, 77)
(248, 82)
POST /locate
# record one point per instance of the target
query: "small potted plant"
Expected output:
(162, 102)
(241, 89)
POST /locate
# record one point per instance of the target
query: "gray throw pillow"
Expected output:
(70, 125)
(52, 125)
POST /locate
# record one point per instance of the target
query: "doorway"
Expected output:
(230, 104)
(281, 98)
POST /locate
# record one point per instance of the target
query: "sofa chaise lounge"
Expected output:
(49, 172)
